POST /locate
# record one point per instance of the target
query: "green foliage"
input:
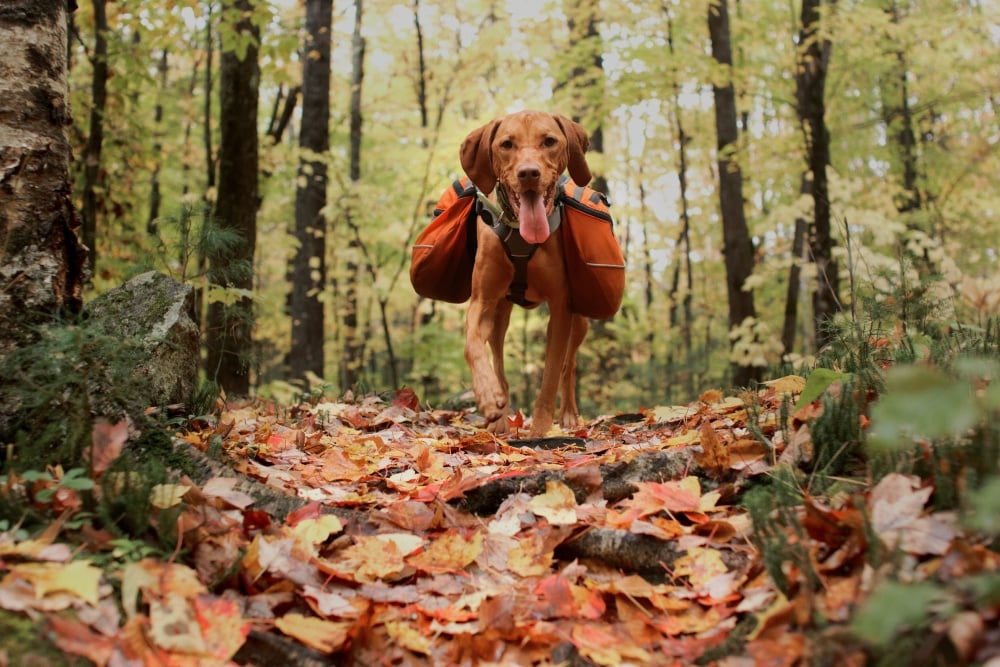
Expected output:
(921, 403)
(182, 242)
(837, 436)
(778, 531)
(57, 386)
(75, 479)
(896, 608)
(818, 381)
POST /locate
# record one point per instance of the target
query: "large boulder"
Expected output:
(155, 310)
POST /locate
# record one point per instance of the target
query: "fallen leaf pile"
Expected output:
(423, 540)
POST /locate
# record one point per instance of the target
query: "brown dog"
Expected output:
(517, 160)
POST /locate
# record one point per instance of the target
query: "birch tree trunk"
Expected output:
(42, 262)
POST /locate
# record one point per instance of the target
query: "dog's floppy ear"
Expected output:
(477, 156)
(577, 143)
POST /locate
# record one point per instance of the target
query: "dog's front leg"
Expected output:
(556, 344)
(570, 415)
(481, 325)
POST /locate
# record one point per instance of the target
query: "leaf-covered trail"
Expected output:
(426, 541)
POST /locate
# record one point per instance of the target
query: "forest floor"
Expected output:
(416, 538)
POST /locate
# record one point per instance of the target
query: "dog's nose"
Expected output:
(529, 172)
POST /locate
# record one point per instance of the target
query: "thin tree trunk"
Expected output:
(737, 246)
(685, 235)
(811, 91)
(309, 264)
(42, 263)
(794, 286)
(354, 346)
(207, 107)
(422, 70)
(95, 138)
(154, 178)
(279, 122)
(229, 326)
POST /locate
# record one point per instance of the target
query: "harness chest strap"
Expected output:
(518, 250)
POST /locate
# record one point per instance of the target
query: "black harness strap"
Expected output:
(518, 250)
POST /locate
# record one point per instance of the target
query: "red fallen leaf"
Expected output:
(441, 609)
(310, 511)
(412, 515)
(783, 652)
(254, 520)
(107, 442)
(498, 614)
(76, 638)
(406, 398)
(555, 598)
(606, 647)
(830, 526)
(222, 626)
(672, 496)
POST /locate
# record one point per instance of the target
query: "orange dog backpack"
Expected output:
(595, 266)
(444, 252)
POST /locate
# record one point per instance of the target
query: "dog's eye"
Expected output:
(506, 144)
(549, 142)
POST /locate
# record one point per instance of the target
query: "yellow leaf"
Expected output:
(699, 565)
(325, 636)
(167, 495)
(173, 626)
(557, 504)
(449, 553)
(316, 531)
(673, 413)
(78, 577)
(790, 384)
(409, 637)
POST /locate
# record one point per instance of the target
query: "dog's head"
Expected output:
(525, 153)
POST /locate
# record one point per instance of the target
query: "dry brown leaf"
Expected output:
(324, 636)
(714, 456)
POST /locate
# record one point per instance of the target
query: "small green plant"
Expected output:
(56, 387)
(778, 533)
(75, 479)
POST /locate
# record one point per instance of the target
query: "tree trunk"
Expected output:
(95, 139)
(42, 262)
(154, 178)
(309, 264)
(354, 346)
(229, 326)
(794, 279)
(737, 246)
(685, 234)
(811, 91)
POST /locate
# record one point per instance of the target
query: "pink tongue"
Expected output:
(534, 222)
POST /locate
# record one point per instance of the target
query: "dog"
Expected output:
(517, 160)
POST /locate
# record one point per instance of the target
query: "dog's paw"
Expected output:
(499, 426)
(540, 425)
(570, 420)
